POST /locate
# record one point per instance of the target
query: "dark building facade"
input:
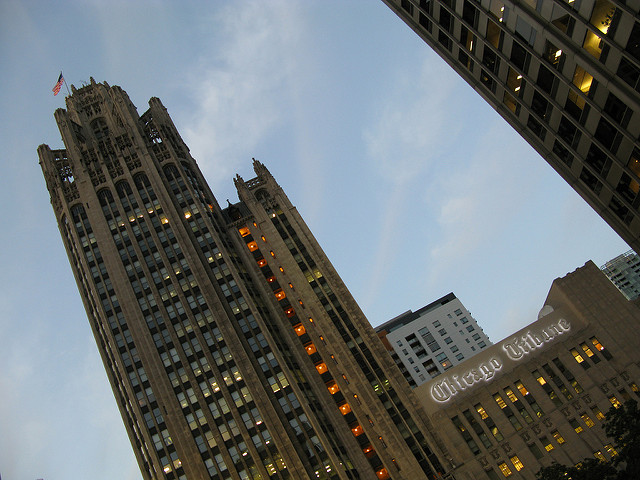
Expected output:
(564, 74)
(233, 348)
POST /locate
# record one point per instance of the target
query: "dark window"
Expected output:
(540, 106)
(546, 79)
(407, 6)
(618, 110)
(490, 59)
(563, 153)
(597, 159)
(629, 73)
(633, 44)
(568, 132)
(519, 56)
(607, 134)
(620, 210)
(536, 127)
(470, 14)
(590, 181)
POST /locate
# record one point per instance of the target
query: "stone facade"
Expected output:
(539, 395)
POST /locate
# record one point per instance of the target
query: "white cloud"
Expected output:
(409, 134)
(241, 84)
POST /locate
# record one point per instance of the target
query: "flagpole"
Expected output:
(65, 83)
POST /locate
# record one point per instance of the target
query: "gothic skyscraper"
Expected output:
(233, 348)
(565, 74)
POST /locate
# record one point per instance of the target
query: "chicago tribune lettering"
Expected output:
(445, 389)
(515, 348)
(518, 347)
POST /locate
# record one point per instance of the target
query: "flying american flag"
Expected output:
(58, 85)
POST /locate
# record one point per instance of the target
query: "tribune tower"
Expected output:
(233, 347)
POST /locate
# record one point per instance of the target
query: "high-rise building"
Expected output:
(564, 74)
(624, 273)
(432, 339)
(233, 348)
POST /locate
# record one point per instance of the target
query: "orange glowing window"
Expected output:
(244, 231)
(272, 254)
(311, 349)
(368, 449)
(301, 303)
(383, 474)
(345, 408)
(255, 224)
(282, 269)
(311, 319)
(357, 430)
(291, 286)
(300, 330)
(333, 388)
(289, 312)
(263, 238)
(279, 294)
(271, 279)
(262, 262)
(253, 246)
(321, 368)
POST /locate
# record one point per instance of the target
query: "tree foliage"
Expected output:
(622, 425)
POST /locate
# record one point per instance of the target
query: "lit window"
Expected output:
(499, 401)
(368, 450)
(282, 269)
(279, 294)
(559, 438)
(300, 330)
(587, 420)
(333, 388)
(310, 348)
(610, 450)
(598, 454)
(504, 468)
(344, 408)
(321, 368)
(383, 474)
(271, 279)
(187, 215)
(516, 463)
(597, 412)
(577, 356)
(244, 231)
(272, 254)
(483, 413)
(289, 312)
(253, 246)
(357, 430)
(262, 262)
(548, 446)
(576, 426)
(614, 401)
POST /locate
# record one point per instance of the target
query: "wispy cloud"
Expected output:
(241, 85)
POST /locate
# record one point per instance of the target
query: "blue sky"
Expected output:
(411, 183)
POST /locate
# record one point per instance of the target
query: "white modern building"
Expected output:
(624, 273)
(436, 337)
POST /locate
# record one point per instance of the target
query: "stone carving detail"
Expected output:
(587, 399)
(615, 382)
(525, 436)
(576, 405)
(483, 461)
(495, 454)
(506, 447)
(536, 429)
(547, 422)
(565, 411)
(604, 387)
(625, 376)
